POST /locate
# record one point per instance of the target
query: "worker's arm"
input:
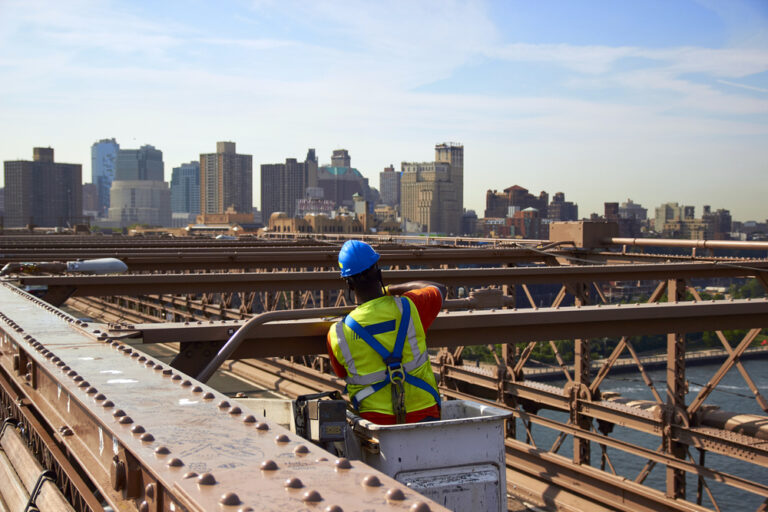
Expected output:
(399, 289)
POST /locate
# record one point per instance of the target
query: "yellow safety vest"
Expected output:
(368, 383)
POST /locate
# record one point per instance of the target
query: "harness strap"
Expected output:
(372, 378)
(393, 359)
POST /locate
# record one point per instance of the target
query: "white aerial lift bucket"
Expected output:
(458, 461)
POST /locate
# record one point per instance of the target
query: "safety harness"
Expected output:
(395, 373)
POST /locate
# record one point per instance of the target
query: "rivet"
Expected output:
(235, 411)
(229, 499)
(282, 438)
(186, 384)
(312, 496)
(135, 355)
(149, 491)
(322, 459)
(125, 420)
(371, 481)
(175, 463)
(420, 506)
(206, 479)
(118, 413)
(249, 419)
(167, 372)
(78, 378)
(108, 404)
(144, 507)
(197, 389)
(149, 364)
(294, 483)
(147, 438)
(59, 363)
(158, 367)
(301, 450)
(343, 463)
(269, 465)
(262, 426)
(223, 404)
(137, 429)
(209, 396)
(99, 397)
(71, 373)
(162, 450)
(92, 390)
(333, 508)
(245, 509)
(66, 368)
(84, 384)
(189, 474)
(395, 494)
(176, 377)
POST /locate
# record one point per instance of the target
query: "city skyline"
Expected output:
(658, 102)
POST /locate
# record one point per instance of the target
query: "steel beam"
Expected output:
(149, 438)
(302, 337)
(142, 284)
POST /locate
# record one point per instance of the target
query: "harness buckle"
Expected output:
(396, 373)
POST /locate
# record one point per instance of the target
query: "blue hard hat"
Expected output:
(356, 256)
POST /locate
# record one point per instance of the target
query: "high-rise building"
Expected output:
(671, 212)
(226, 181)
(310, 176)
(103, 166)
(340, 181)
(452, 153)
(282, 186)
(497, 204)
(90, 200)
(720, 221)
(389, 185)
(632, 210)
(561, 210)
(138, 194)
(143, 164)
(2, 202)
(185, 188)
(340, 158)
(611, 212)
(43, 192)
(431, 193)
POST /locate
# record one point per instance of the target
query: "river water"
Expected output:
(732, 394)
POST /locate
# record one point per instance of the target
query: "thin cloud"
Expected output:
(743, 86)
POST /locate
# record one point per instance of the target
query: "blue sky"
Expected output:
(658, 100)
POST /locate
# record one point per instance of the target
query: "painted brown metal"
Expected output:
(140, 430)
(138, 284)
(457, 328)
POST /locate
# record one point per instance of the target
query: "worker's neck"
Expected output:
(366, 294)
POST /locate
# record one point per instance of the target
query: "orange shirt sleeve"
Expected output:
(428, 302)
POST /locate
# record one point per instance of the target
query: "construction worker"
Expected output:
(380, 347)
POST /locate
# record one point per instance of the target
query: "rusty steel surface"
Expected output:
(307, 336)
(286, 356)
(150, 438)
(142, 284)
